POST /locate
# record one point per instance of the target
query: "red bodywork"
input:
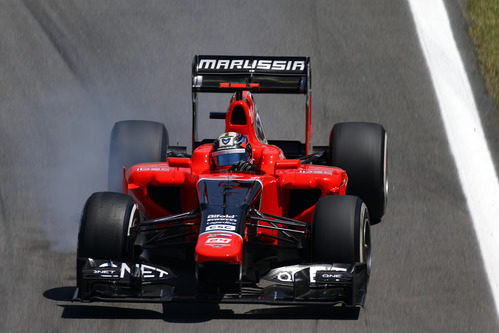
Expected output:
(281, 180)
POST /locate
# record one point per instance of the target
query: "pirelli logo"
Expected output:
(251, 64)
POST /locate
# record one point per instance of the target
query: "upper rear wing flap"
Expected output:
(256, 74)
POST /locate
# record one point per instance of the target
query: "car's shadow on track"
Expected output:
(92, 311)
(193, 312)
(190, 313)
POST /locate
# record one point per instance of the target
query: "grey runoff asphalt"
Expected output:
(71, 69)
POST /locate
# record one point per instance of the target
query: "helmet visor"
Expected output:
(229, 157)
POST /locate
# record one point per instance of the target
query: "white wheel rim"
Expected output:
(130, 222)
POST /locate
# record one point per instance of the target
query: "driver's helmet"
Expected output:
(231, 148)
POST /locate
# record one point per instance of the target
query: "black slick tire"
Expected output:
(341, 231)
(134, 142)
(104, 228)
(360, 149)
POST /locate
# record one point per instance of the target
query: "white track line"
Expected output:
(464, 130)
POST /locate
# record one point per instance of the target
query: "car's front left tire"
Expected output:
(341, 231)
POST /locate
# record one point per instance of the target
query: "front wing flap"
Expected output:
(298, 284)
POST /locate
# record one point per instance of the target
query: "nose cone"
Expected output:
(219, 247)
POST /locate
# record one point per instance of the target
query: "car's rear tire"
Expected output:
(361, 150)
(340, 231)
(134, 142)
(105, 228)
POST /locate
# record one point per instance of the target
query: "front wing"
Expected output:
(104, 281)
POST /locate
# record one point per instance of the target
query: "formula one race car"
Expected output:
(242, 219)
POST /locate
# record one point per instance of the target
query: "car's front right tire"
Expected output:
(105, 228)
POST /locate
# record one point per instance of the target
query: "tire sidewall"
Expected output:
(105, 227)
(339, 230)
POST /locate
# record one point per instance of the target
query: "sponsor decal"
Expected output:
(221, 222)
(317, 172)
(218, 240)
(107, 270)
(111, 270)
(154, 169)
(285, 277)
(318, 274)
(221, 227)
(330, 276)
(147, 271)
(221, 218)
(225, 141)
(251, 65)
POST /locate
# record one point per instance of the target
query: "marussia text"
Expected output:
(273, 65)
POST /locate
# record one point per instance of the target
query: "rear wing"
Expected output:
(257, 74)
(229, 74)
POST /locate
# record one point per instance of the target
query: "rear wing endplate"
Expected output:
(228, 74)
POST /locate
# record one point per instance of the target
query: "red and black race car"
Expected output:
(242, 219)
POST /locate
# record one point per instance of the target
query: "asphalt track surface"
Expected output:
(69, 70)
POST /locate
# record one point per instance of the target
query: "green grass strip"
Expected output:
(484, 31)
